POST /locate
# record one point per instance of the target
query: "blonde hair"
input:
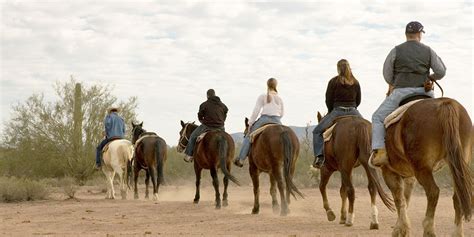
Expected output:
(271, 86)
(345, 73)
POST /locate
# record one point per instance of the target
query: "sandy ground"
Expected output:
(175, 214)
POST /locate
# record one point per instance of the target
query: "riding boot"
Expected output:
(318, 161)
(378, 157)
(188, 159)
(238, 163)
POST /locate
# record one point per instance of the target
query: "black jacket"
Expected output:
(213, 112)
(338, 94)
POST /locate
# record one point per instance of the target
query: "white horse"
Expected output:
(117, 159)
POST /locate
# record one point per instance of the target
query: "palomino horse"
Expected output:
(348, 148)
(150, 155)
(117, 157)
(274, 151)
(430, 133)
(214, 151)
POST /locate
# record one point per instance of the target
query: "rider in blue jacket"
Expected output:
(114, 128)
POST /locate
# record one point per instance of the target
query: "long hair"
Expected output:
(271, 86)
(345, 73)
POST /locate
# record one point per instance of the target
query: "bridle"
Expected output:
(183, 136)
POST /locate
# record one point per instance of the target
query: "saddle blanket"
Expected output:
(396, 115)
(259, 130)
(327, 135)
(106, 147)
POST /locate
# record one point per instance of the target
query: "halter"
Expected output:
(183, 136)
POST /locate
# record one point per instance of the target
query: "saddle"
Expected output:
(259, 130)
(106, 147)
(406, 103)
(327, 134)
(200, 137)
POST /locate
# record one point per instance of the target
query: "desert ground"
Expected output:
(175, 214)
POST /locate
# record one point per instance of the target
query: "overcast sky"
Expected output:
(168, 54)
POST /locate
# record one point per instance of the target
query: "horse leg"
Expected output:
(110, 183)
(273, 192)
(154, 180)
(224, 196)
(458, 229)
(395, 184)
(123, 186)
(281, 188)
(374, 223)
(409, 185)
(254, 173)
(135, 180)
(215, 183)
(425, 178)
(325, 174)
(197, 171)
(347, 183)
(147, 183)
(343, 193)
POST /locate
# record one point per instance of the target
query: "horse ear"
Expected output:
(246, 121)
(182, 124)
(319, 117)
(141, 124)
(133, 125)
(194, 122)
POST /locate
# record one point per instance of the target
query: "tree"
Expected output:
(51, 139)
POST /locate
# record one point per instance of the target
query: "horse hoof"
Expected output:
(218, 207)
(283, 213)
(374, 226)
(429, 234)
(255, 211)
(348, 224)
(331, 215)
(136, 196)
(147, 197)
(276, 209)
(225, 203)
(342, 221)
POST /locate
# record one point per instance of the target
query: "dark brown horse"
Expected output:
(214, 151)
(348, 148)
(430, 133)
(274, 151)
(150, 155)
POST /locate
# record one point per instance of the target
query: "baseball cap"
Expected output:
(414, 27)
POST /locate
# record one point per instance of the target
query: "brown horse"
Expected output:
(348, 148)
(274, 151)
(430, 133)
(214, 151)
(150, 155)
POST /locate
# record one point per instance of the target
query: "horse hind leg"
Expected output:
(154, 180)
(197, 172)
(254, 174)
(458, 224)
(425, 178)
(324, 176)
(215, 183)
(123, 185)
(147, 183)
(395, 184)
(225, 202)
(135, 181)
(349, 188)
(110, 183)
(281, 188)
(408, 189)
(372, 186)
(273, 193)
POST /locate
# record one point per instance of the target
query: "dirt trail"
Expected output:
(175, 214)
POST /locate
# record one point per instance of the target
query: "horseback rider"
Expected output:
(271, 107)
(212, 114)
(342, 98)
(114, 129)
(406, 70)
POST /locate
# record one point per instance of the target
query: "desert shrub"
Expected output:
(69, 186)
(21, 189)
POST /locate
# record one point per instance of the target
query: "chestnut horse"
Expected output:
(150, 155)
(430, 133)
(348, 148)
(274, 151)
(214, 151)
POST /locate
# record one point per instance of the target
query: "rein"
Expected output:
(441, 88)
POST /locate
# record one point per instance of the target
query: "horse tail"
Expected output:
(223, 147)
(128, 156)
(364, 147)
(159, 161)
(449, 117)
(288, 164)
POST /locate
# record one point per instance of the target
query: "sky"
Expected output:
(168, 53)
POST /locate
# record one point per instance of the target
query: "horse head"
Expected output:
(137, 130)
(184, 134)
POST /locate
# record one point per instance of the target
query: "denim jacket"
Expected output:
(114, 125)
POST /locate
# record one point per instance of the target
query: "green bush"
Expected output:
(21, 189)
(69, 186)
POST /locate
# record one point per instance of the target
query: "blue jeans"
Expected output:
(388, 106)
(98, 153)
(264, 119)
(194, 135)
(326, 122)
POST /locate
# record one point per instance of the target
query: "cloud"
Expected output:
(168, 54)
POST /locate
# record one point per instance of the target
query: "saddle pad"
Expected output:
(328, 133)
(141, 138)
(396, 115)
(259, 130)
(200, 137)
